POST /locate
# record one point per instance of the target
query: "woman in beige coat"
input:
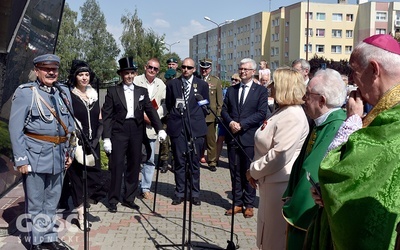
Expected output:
(277, 144)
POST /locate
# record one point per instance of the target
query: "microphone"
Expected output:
(62, 92)
(202, 103)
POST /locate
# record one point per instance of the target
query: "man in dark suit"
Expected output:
(181, 104)
(245, 108)
(123, 120)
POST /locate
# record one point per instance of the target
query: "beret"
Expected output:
(172, 60)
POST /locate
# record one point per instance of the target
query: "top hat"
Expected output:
(127, 63)
(205, 63)
(47, 60)
(172, 60)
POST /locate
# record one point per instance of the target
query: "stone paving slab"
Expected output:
(131, 229)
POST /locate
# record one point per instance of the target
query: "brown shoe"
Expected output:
(147, 196)
(237, 209)
(248, 213)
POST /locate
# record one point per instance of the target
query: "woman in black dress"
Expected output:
(87, 111)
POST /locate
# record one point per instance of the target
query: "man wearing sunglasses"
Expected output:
(156, 89)
(186, 127)
(215, 92)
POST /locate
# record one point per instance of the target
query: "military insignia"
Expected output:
(195, 87)
(212, 92)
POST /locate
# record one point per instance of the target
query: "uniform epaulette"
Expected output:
(27, 85)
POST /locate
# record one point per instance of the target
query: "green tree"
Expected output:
(68, 43)
(99, 46)
(138, 42)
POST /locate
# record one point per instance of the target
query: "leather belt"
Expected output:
(48, 138)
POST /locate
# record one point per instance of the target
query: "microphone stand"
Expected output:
(236, 146)
(85, 141)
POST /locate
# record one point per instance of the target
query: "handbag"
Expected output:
(89, 161)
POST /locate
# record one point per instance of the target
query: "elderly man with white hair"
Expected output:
(360, 180)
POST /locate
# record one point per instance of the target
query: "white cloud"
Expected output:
(161, 23)
(183, 34)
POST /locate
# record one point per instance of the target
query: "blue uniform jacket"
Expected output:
(43, 156)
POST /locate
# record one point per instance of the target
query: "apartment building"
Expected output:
(300, 30)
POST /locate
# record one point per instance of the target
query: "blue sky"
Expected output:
(180, 20)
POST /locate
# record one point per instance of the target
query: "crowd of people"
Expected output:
(327, 168)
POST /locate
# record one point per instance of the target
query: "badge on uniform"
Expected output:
(195, 87)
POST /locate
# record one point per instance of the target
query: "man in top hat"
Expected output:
(124, 126)
(216, 101)
(360, 180)
(40, 125)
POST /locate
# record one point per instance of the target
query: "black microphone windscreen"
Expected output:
(199, 97)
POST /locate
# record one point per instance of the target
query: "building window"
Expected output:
(320, 32)
(286, 54)
(309, 48)
(381, 16)
(349, 17)
(380, 31)
(310, 32)
(337, 49)
(348, 49)
(337, 33)
(349, 34)
(338, 17)
(310, 15)
(286, 39)
(287, 24)
(320, 48)
(321, 16)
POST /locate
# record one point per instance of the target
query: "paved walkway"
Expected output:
(130, 229)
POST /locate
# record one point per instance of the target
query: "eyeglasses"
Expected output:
(47, 69)
(236, 80)
(152, 68)
(307, 94)
(187, 67)
(244, 69)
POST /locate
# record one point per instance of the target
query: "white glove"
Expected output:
(162, 135)
(107, 145)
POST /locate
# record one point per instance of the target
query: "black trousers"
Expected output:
(126, 146)
(179, 147)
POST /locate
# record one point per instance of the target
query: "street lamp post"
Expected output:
(170, 45)
(219, 42)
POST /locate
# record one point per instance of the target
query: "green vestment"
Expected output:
(300, 208)
(360, 184)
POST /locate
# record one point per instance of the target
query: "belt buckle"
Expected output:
(57, 139)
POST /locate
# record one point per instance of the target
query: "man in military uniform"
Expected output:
(172, 64)
(216, 101)
(171, 73)
(40, 125)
